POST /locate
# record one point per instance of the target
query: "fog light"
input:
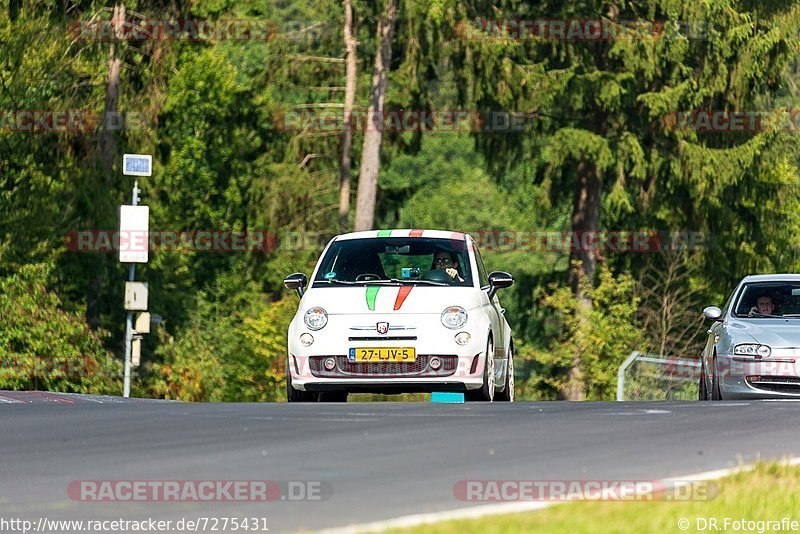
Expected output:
(330, 364)
(435, 363)
(462, 338)
(306, 339)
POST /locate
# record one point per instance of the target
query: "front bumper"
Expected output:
(460, 366)
(457, 373)
(773, 377)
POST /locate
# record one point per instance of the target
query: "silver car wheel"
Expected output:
(507, 395)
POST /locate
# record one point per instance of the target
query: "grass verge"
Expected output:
(767, 493)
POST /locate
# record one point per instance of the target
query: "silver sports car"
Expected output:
(754, 344)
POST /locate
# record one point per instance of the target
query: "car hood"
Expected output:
(772, 332)
(399, 299)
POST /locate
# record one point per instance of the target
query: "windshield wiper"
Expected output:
(419, 281)
(394, 281)
(383, 281)
(757, 314)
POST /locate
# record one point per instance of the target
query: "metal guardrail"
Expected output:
(671, 365)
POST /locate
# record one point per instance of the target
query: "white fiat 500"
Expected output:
(393, 311)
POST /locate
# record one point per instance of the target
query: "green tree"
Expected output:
(600, 142)
(44, 347)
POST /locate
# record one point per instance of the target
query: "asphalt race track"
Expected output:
(375, 461)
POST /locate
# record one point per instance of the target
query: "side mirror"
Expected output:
(296, 281)
(712, 312)
(499, 280)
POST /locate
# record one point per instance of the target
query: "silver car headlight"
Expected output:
(454, 317)
(316, 318)
(752, 349)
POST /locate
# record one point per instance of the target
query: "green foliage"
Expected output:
(233, 349)
(223, 160)
(44, 347)
(601, 331)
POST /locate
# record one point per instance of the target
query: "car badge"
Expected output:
(382, 328)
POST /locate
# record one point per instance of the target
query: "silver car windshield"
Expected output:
(395, 260)
(760, 300)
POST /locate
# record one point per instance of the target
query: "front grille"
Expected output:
(418, 368)
(775, 384)
(382, 338)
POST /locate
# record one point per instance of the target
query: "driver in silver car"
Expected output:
(764, 306)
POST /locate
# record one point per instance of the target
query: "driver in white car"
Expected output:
(448, 262)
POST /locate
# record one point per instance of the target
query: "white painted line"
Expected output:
(476, 512)
(416, 520)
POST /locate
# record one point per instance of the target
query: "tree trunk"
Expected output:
(373, 133)
(107, 152)
(583, 262)
(108, 141)
(13, 9)
(585, 222)
(349, 99)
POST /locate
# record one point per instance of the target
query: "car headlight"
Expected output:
(454, 317)
(315, 318)
(752, 349)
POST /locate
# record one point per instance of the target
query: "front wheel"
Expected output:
(703, 389)
(507, 395)
(716, 394)
(295, 395)
(486, 392)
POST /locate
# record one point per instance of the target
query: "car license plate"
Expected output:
(382, 354)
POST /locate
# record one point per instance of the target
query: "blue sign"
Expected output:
(137, 164)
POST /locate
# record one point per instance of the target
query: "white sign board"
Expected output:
(137, 164)
(142, 323)
(136, 351)
(135, 296)
(134, 233)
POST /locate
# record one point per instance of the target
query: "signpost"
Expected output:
(134, 226)
(134, 248)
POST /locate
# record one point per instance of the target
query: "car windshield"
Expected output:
(395, 260)
(769, 299)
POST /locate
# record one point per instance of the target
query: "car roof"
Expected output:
(784, 277)
(403, 232)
